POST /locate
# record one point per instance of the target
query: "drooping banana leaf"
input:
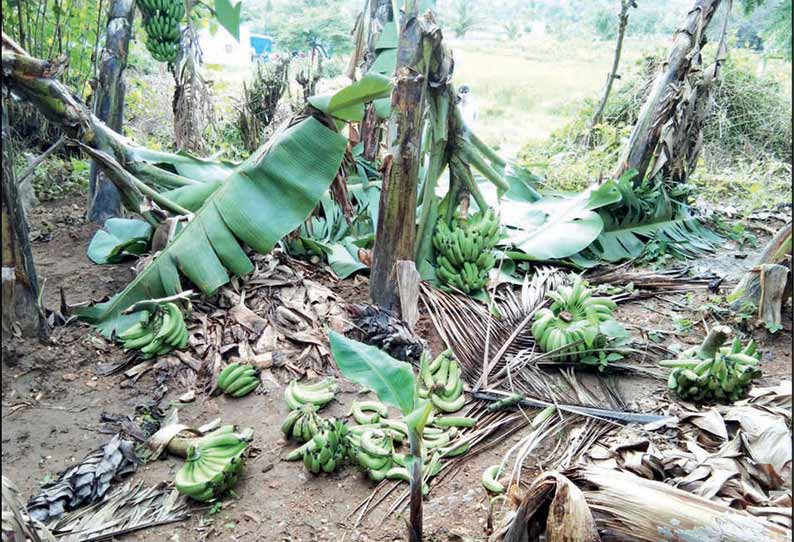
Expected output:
(121, 238)
(558, 227)
(647, 213)
(185, 164)
(265, 198)
(348, 104)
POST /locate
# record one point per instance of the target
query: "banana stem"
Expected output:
(425, 229)
(471, 155)
(464, 173)
(714, 341)
(157, 175)
(415, 526)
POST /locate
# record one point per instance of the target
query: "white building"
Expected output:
(221, 47)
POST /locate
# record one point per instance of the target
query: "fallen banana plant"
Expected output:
(262, 200)
(625, 507)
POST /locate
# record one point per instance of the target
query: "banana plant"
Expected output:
(395, 384)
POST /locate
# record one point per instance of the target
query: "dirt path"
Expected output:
(52, 402)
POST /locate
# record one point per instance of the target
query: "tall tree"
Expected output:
(623, 21)
(104, 200)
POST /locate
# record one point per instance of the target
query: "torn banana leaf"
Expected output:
(121, 238)
(185, 164)
(348, 104)
(265, 198)
(558, 227)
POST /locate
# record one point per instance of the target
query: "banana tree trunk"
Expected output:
(658, 107)
(380, 14)
(20, 289)
(394, 238)
(104, 200)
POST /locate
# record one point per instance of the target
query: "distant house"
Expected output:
(221, 47)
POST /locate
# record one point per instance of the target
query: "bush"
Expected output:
(747, 135)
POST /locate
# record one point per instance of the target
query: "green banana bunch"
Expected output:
(724, 377)
(302, 423)
(318, 394)
(161, 19)
(329, 448)
(373, 450)
(158, 332)
(367, 412)
(238, 379)
(464, 252)
(490, 479)
(573, 316)
(442, 383)
(213, 465)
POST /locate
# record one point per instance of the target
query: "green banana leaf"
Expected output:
(348, 104)
(228, 16)
(647, 213)
(121, 238)
(265, 198)
(392, 381)
(185, 164)
(558, 227)
(193, 196)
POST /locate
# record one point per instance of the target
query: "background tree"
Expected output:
(104, 200)
(462, 18)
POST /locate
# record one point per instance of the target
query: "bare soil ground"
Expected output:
(52, 401)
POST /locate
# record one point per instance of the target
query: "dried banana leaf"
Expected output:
(86, 482)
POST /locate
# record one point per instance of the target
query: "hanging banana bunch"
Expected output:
(161, 19)
(464, 252)
(724, 376)
(159, 331)
(442, 383)
(573, 318)
(318, 394)
(238, 379)
(302, 423)
(213, 465)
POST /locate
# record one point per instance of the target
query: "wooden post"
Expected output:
(394, 238)
(20, 287)
(638, 151)
(104, 200)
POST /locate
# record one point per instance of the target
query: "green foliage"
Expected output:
(258, 203)
(121, 238)
(228, 16)
(51, 29)
(309, 25)
(463, 18)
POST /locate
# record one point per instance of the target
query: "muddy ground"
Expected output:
(52, 402)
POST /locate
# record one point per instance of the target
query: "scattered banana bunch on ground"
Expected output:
(329, 448)
(238, 379)
(490, 479)
(318, 394)
(573, 316)
(724, 376)
(374, 449)
(213, 465)
(302, 423)
(464, 252)
(442, 383)
(159, 331)
(161, 19)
